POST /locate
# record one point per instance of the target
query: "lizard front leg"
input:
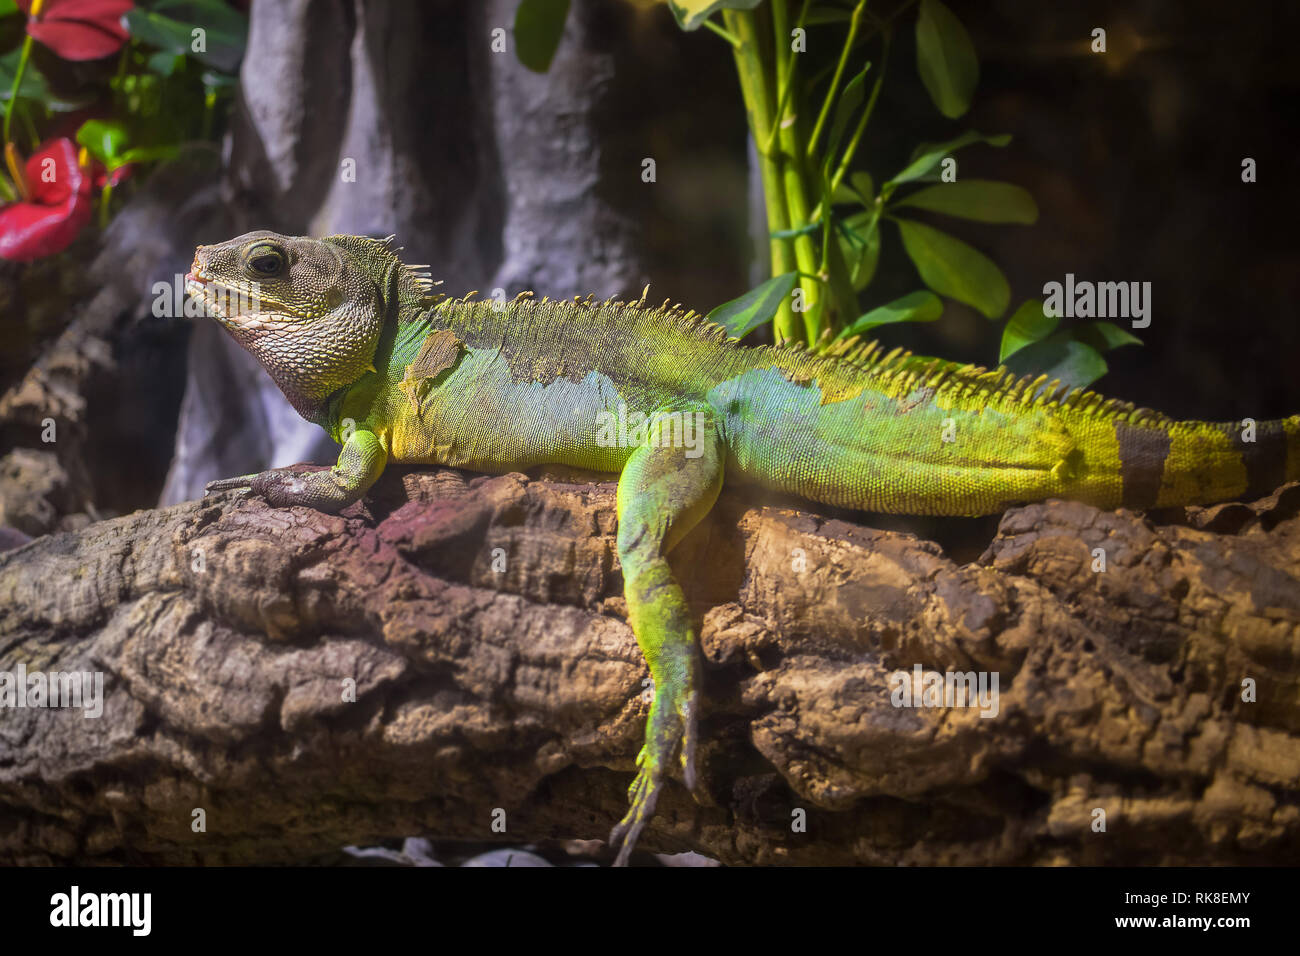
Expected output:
(662, 494)
(360, 464)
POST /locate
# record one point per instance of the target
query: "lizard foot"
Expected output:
(672, 724)
(282, 487)
(228, 484)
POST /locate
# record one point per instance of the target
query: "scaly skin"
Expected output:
(357, 344)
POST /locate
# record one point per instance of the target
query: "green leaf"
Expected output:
(1072, 354)
(758, 305)
(209, 14)
(539, 24)
(849, 100)
(691, 14)
(929, 155)
(952, 268)
(980, 199)
(103, 139)
(8, 7)
(859, 191)
(225, 30)
(33, 85)
(1027, 325)
(945, 59)
(146, 154)
(844, 193)
(920, 306)
(863, 255)
(1103, 336)
(1074, 363)
(164, 62)
(861, 181)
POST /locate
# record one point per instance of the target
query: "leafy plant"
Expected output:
(1031, 343)
(175, 67)
(825, 215)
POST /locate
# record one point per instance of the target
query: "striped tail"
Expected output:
(1205, 462)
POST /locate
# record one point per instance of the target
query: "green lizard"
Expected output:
(359, 346)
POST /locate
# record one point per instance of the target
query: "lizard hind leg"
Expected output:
(663, 493)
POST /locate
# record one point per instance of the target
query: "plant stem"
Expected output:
(18, 79)
(884, 23)
(725, 34)
(15, 164)
(852, 148)
(209, 110)
(794, 182)
(786, 87)
(835, 80)
(30, 126)
(758, 98)
(105, 197)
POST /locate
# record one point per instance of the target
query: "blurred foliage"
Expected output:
(130, 82)
(824, 212)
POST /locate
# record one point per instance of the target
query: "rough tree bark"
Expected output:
(481, 622)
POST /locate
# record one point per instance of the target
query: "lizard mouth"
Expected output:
(232, 306)
(209, 292)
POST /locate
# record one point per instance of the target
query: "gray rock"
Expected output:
(512, 858)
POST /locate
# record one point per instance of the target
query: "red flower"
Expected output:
(77, 29)
(58, 206)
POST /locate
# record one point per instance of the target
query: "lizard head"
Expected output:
(311, 311)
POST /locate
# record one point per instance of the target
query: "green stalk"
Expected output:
(834, 267)
(757, 94)
(725, 34)
(105, 197)
(794, 182)
(30, 126)
(18, 79)
(209, 111)
(786, 87)
(852, 148)
(835, 80)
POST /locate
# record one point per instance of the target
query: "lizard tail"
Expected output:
(1205, 462)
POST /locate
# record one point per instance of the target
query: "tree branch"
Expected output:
(481, 621)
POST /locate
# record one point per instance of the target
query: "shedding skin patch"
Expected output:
(438, 353)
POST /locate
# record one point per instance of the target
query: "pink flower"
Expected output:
(77, 29)
(57, 206)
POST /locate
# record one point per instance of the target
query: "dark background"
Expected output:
(1134, 157)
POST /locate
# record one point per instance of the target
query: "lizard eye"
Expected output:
(266, 261)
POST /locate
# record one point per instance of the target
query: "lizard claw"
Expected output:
(228, 484)
(673, 726)
(642, 795)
